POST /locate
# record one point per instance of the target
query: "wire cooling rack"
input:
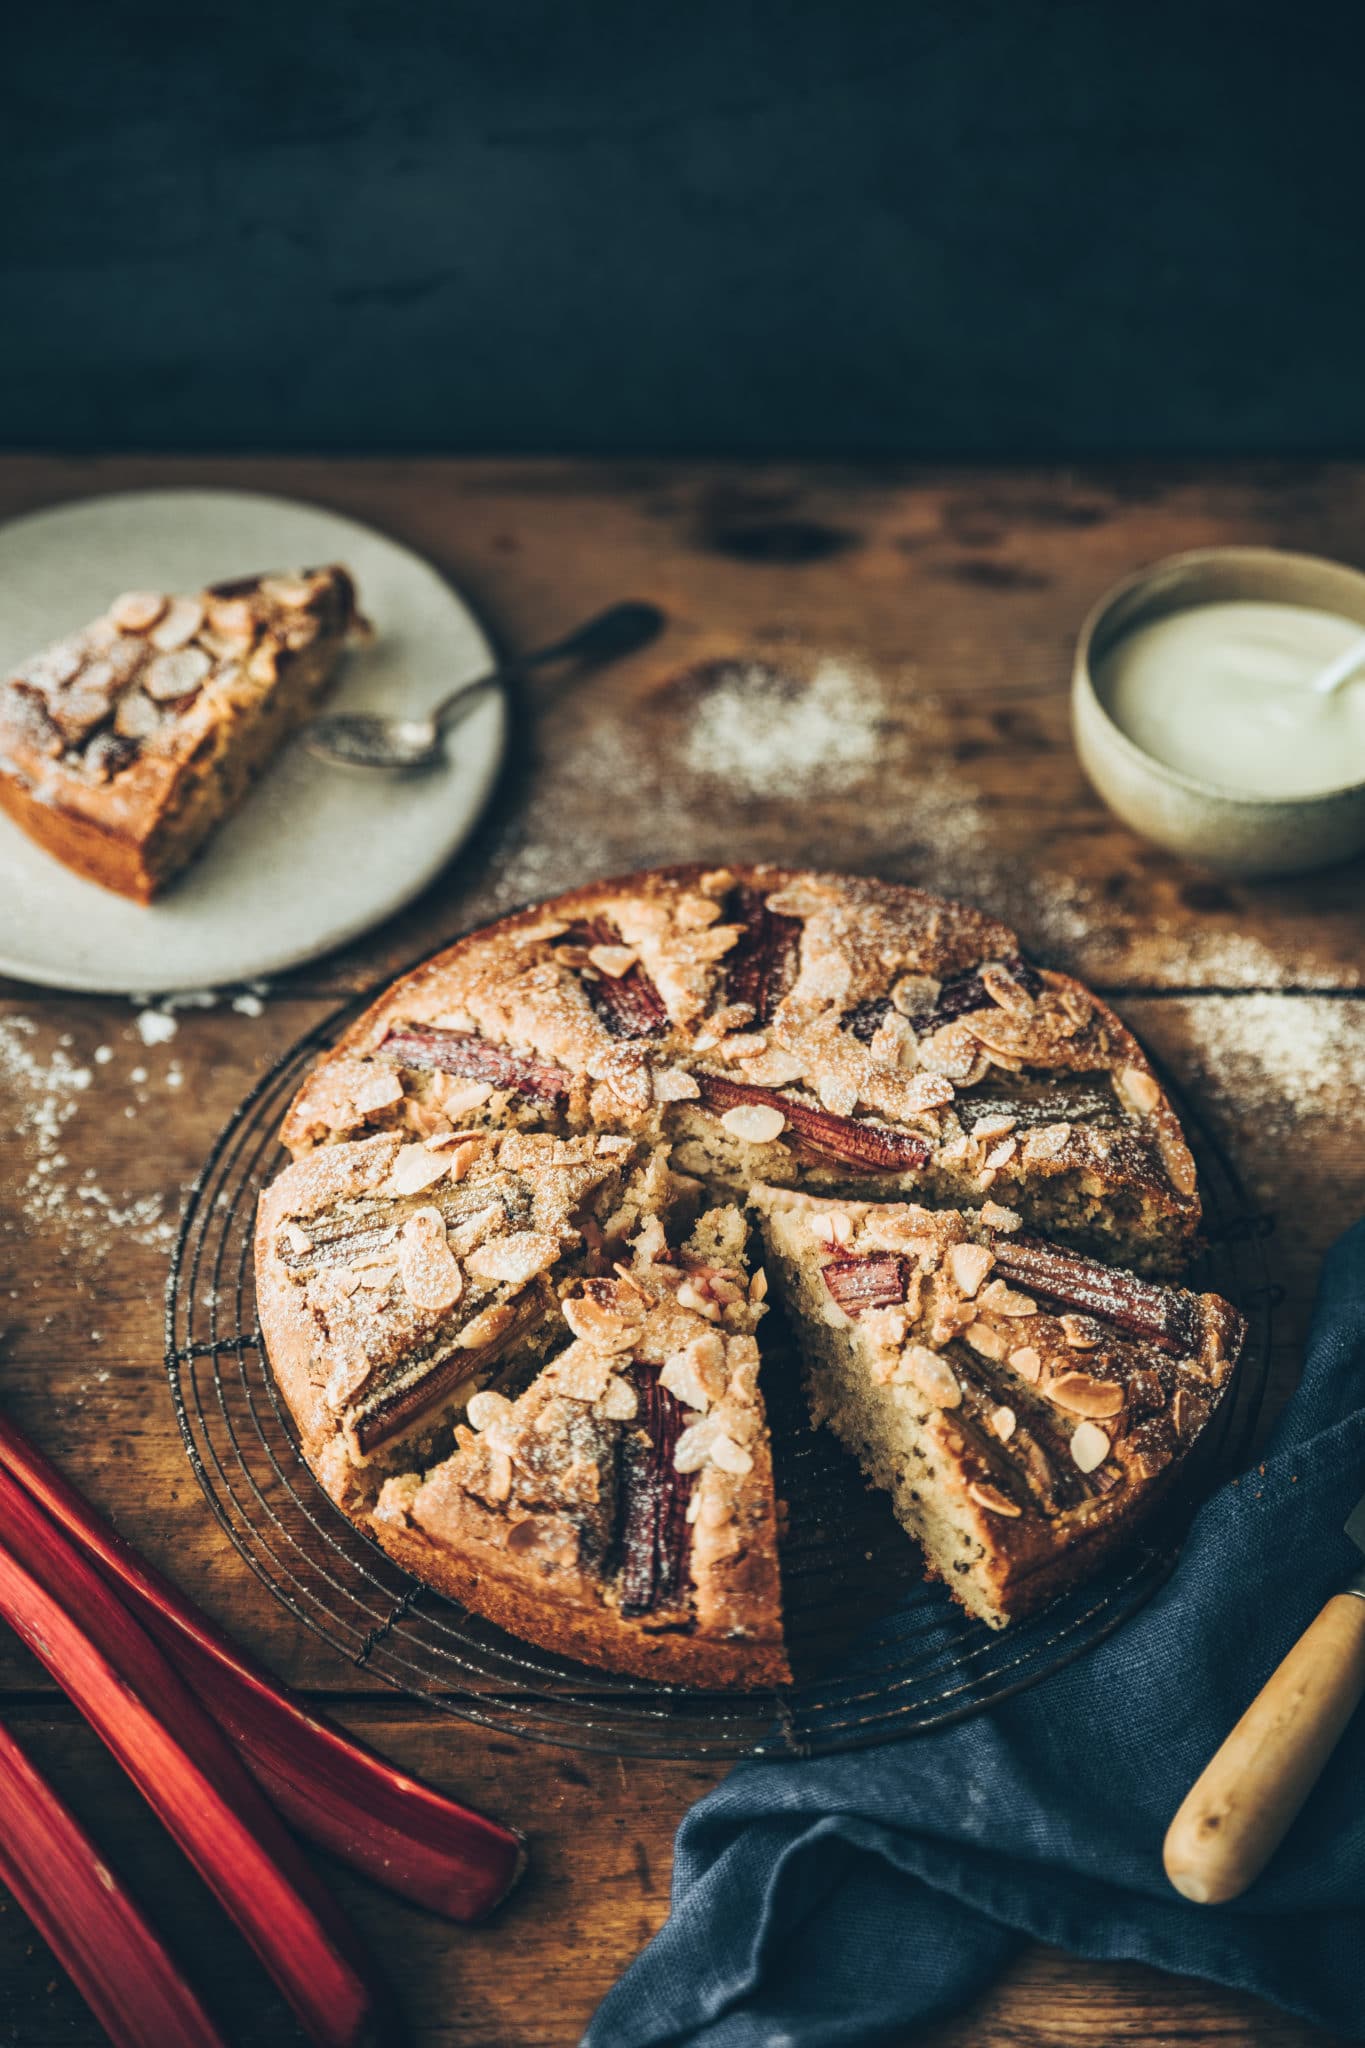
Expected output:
(906, 1657)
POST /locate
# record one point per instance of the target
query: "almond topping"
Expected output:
(1082, 1333)
(933, 1376)
(758, 1286)
(613, 961)
(671, 1084)
(515, 1258)
(754, 1123)
(1025, 1361)
(431, 1277)
(1188, 1412)
(176, 674)
(604, 1328)
(1000, 1155)
(983, 1339)
(457, 1098)
(1004, 1422)
(620, 1402)
(691, 1296)
(179, 625)
(1082, 1395)
(1089, 1446)
(992, 1499)
(994, 1126)
(297, 1240)
(380, 1091)
(997, 1217)
(1139, 1088)
(969, 1264)
(487, 1407)
(136, 610)
(414, 1168)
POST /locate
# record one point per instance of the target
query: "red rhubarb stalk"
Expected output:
(343, 1796)
(114, 1957)
(189, 1775)
(851, 1139)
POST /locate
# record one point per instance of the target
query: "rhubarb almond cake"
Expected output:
(904, 1101)
(123, 746)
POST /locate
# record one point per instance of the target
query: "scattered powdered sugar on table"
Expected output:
(770, 733)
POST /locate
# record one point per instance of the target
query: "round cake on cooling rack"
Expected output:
(512, 1285)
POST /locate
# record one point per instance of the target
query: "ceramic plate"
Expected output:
(315, 855)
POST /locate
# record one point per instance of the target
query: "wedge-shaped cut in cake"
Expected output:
(125, 745)
(621, 1509)
(395, 1279)
(820, 1031)
(1023, 1405)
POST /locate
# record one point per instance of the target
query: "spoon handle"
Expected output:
(1341, 670)
(621, 629)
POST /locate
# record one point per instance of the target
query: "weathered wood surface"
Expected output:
(960, 594)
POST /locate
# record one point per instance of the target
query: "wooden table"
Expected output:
(960, 593)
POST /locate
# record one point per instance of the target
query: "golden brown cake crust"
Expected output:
(835, 1035)
(122, 746)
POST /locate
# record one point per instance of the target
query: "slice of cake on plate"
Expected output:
(1023, 1405)
(123, 746)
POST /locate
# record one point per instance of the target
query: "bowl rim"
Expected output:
(1083, 680)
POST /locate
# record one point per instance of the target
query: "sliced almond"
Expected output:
(486, 1407)
(414, 1168)
(1139, 1088)
(1089, 1446)
(136, 610)
(1025, 1361)
(179, 624)
(380, 1091)
(1188, 1412)
(1082, 1333)
(1004, 1421)
(514, 1258)
(969, 1264)
(176, 674)
(606, 1329)
(671, 1084)
(992, 1499)
(754, 1123)
(613, 961)
(933, 1376)
(1082, 1395)
(427, 1267)
(988, 1127)
(986, 1341)
(620, 1402)
(458, 1098)
(730, 1456)
(996, 1217)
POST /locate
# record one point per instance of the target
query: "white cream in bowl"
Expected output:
(1223, 692)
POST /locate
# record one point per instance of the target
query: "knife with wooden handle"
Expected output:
(1244, 1802)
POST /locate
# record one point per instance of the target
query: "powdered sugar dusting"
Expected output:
(766, 732)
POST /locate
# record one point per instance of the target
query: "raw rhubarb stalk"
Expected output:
(1165, 1316)
(654, 1534)
(188, 1773)
(114, 1957)
(848, 1138)
(877, 1281)
(629, 1004)
(342, 1795)
(472, 1058)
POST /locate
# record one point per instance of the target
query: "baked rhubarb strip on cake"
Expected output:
(1022, 1404)
(819, 1037)
(125, 745)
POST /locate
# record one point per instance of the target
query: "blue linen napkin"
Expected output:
(848, 1899)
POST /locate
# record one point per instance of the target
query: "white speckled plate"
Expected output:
(315, 855)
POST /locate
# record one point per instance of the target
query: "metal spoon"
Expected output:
(1340, 671)
(362, 739)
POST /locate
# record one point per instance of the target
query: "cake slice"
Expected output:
(621, 1509)
(125, 745)
(1023, 1405)
(395, 1279)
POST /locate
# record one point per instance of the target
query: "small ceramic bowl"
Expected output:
(1240, 834)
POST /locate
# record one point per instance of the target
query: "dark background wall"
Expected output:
(624, 225)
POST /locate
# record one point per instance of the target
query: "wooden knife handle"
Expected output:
(1240, 1808)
